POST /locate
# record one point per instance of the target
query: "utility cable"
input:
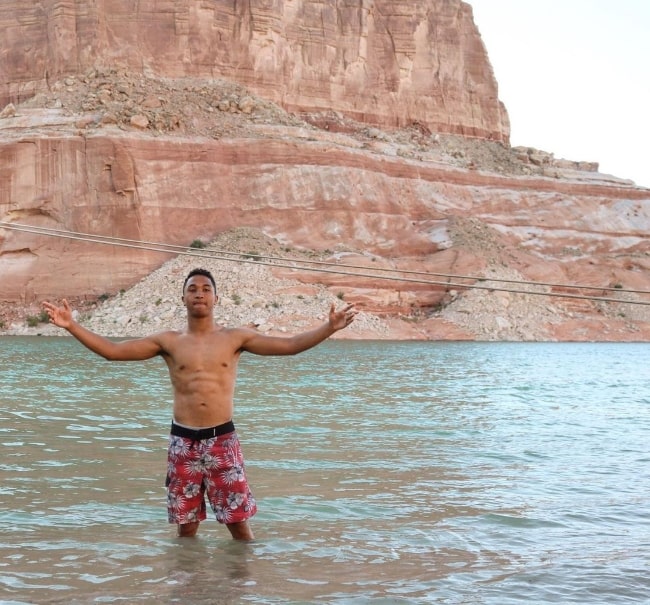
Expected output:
(183, 250)
(254, 258)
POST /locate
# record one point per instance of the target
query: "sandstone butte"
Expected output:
(369, 133)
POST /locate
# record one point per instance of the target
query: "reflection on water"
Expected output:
(384, 473)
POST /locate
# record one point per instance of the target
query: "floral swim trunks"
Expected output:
(207, 462)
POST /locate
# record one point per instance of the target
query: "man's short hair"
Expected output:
(203, 272)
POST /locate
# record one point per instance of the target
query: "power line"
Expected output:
(172, 248)
(322, 266)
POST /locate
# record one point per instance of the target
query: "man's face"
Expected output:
(199, 296)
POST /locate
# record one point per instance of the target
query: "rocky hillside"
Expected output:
(255, 291)
(167, 151)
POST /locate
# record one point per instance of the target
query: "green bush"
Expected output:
(33, 320)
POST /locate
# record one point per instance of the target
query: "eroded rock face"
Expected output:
(311, 194)
(382, 62)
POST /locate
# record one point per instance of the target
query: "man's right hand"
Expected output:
(59, 316)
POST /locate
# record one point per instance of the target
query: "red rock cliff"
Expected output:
(135, 124)
(385, 62)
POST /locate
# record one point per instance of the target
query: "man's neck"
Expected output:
(198, 325)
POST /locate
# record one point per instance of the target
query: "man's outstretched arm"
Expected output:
(128, 350)
(280, 345)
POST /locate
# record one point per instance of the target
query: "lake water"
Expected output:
(385, 472)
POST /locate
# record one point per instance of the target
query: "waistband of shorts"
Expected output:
(199, 434)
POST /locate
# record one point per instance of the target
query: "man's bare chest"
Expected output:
(203, 355)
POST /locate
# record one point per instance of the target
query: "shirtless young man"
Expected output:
(204, 455)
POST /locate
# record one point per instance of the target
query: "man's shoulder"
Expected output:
(165, 336)
(239, 335)
(234, 332)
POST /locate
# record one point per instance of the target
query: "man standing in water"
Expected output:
(204, 455)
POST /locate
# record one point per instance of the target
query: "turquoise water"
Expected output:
(455, 473)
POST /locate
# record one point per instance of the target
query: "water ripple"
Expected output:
(454, 473)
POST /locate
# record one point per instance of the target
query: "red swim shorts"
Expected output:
(212, 467)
